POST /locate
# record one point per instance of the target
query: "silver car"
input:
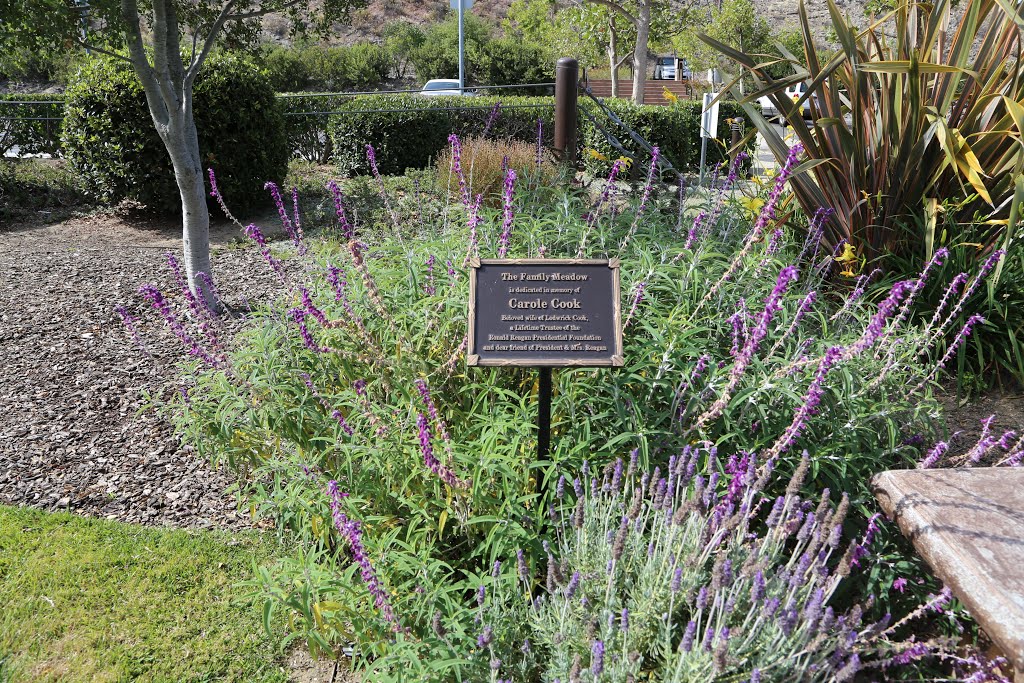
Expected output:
(442, 86)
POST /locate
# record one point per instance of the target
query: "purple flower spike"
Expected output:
(352, 534)
(339, 209)
(155, 297)
(430, 460)
(597, 658)
(506, 227)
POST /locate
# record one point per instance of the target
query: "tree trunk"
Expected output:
(168, 89)
(613, 56)
(182, 142)
(643, 32)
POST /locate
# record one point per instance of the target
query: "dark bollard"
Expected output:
(566, 84)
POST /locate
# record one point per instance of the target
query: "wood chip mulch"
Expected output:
(73, 431)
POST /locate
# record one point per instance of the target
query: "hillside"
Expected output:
(368, 23)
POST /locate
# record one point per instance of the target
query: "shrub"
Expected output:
(893, 129)
(287, 68)
(355, 376)
(438, 55)
(110, 140)
(675, 130)
(511, 61)
(401, 39)
(33, 128)
(32, 185)
(410, 131)
(485, 162)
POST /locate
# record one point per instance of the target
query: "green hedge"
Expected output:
(21, 125)
(410, 139)
(361, 67)
(411, 129)
(110, 139)
(675, 130)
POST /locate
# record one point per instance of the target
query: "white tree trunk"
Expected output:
(168, 88)
(643, 33)
(182, 142)
(613, 57)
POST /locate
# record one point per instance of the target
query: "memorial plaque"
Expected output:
(545, 313)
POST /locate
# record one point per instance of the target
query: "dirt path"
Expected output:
(71, 385)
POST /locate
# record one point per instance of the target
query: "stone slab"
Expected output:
(968, 525)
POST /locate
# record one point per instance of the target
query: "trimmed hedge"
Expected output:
(20, 124)
(675, 130)
(411, 130)
(411, 139)
(110, 139)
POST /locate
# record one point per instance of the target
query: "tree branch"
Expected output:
(102, 51)
(211, 38)
(262, 12)
(140, 62)
(631, 18)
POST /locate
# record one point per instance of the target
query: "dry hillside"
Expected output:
(367, 23)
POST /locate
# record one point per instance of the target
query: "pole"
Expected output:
(567, 75)
(543, 413)
(703, 157)
(462, 49)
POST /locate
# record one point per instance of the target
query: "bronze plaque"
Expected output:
(545, 312)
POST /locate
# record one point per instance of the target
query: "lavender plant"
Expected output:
(356, 376)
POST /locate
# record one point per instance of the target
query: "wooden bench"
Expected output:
(968, 525)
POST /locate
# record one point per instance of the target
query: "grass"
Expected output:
(93, 600)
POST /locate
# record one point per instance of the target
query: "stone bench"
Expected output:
(968, 525)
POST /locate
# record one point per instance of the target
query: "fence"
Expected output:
(30, 125)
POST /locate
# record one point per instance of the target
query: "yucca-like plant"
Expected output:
(906, 112)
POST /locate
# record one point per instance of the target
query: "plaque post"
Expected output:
(543, 413)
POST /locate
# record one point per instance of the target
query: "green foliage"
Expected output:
(904, 114)
(33, 128)
(357, 67)
(90, 599)
(411, 130)
(675, 130)
(401, 39)
(288, 68)
(29, 186)
(511, 60)
(735, 23)
(44, 27)
(109, 138)
(438, 55)
(396, 314)
(24, 64)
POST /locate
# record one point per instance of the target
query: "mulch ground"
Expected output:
(74, 434)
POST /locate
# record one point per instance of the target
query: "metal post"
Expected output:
(462, 48)
(566, 86)
(543, 413)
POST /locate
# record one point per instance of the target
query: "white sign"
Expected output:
(709, 116)
(466, 4)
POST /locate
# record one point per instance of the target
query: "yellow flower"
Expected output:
(752, 204)
(849, 255)
(669, 95)
(597, 155)
(626, 161)
(848, 273)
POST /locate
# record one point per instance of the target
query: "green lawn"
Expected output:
(92, 600)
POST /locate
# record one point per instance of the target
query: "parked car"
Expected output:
(793, 93)
(665, 69)
(443, 86)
